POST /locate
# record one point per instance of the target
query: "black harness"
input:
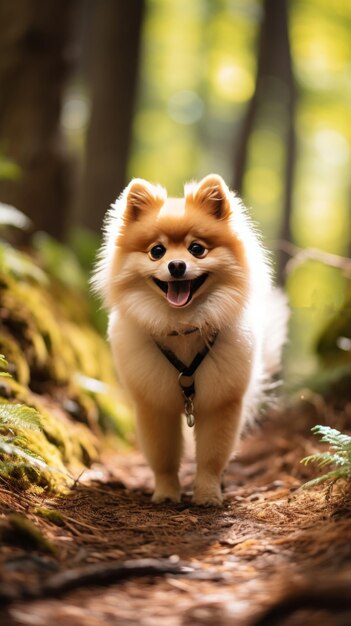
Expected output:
(186, 373)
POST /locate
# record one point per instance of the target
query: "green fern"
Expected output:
(13, 450)
(20, 416)
(339, 455)
(17, 459)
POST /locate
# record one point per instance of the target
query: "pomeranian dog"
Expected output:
(195, 326)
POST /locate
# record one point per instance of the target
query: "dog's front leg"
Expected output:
(161, 441)
(215, 438)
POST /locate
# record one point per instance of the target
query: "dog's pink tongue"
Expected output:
(178, 292)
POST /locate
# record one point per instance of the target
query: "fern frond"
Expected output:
(333, 437)
(31, 457)
(324, 458)
(333, 475)
(19, 416)
(340, 454)
(11, 449)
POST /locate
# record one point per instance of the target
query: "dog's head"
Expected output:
(169, 263)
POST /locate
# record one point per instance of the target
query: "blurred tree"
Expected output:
(113, 42)
(274, 82)
(35, 58)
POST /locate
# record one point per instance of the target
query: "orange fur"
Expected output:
(236, 300)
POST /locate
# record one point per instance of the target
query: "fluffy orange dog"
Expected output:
(195, 326)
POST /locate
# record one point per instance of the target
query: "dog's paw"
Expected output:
(207, 496)
(160, 496)
(208, 501)
(167, 488)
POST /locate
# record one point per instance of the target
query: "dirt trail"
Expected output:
(269, 541)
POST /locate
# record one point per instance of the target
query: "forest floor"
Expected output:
(274, 554)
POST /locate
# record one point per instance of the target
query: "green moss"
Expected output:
(49, 514)
(59, 448)
(54, 355)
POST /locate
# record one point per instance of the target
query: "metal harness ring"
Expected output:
(187, 384)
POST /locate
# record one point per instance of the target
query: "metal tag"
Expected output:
(189, 412)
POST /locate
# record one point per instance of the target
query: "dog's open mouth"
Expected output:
(180, 292)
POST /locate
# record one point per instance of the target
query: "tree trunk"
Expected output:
(33, 67)
(274, 62)
(114, 52)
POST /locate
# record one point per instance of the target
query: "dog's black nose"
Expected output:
(177, 269)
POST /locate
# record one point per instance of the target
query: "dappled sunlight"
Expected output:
(233, 83)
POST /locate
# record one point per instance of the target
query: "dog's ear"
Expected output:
(142, 196)
(213, 195)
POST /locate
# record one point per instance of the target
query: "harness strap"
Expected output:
(187, 371)
(188, 331)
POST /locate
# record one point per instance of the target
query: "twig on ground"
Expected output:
(102, 574)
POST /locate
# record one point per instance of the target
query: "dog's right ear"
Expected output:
(142, 196)
(212, 194)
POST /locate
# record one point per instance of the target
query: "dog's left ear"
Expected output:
(141, 196)
(213, 194)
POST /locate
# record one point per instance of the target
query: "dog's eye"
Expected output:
(157, 252)
(197, 249)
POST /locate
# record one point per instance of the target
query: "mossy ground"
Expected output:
(60, 365)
